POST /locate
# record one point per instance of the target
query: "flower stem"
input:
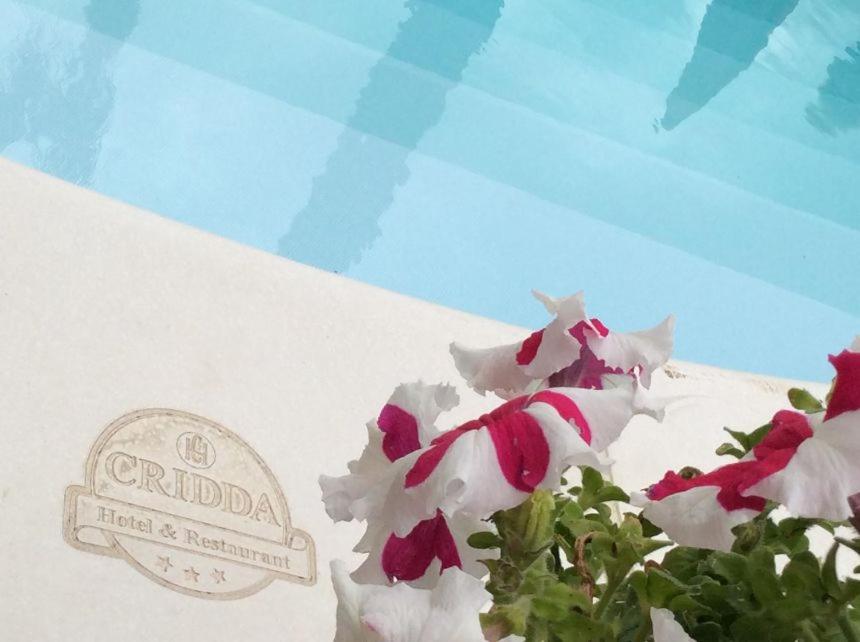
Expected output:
(612, 585)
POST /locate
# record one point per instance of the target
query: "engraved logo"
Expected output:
(188, 504)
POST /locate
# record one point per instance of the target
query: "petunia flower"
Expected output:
(808, 463)
(701, 511)
(401, 613)
(419, 557)
(404, 426)
(666, 627)
(572, 351)
(814, 466)
(496, 461)
(405, 423)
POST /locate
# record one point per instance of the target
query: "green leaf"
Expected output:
(556, 602)
(506, 619)
(707, 632)
(762, 577)
(829, 575)
(752, 626)
(741, 437)
(802, 575)
(730, 566)
(756, 436)
(727, 448)
(610, 493)
(592, 481)
(484, 539)
(662, 587)
(803, 400)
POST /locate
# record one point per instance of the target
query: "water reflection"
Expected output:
(731, 35)
(397, 106)
(838, 105)
(58, 103)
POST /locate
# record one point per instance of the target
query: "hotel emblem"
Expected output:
(188, 504)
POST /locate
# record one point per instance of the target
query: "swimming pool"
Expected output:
(693, 156)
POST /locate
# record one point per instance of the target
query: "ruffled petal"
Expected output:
(846, 388)
(519, 368)
(492, 369)
(405, 424)
(643, 351)
(821, 474)
(422, 555)
(407, 420)
(696, 518)
(572, 351)
(666, 628)
(703, 510)
(362, 491)
(400, 613)
(495, 462)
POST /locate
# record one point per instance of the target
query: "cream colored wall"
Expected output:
(106, 309)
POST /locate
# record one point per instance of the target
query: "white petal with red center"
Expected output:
(695, 517)
(649, 349)
(566, 447)
(605, 413)
(401, 613)
(823, 472)
(420, 560)
(666, 628)
(405, 424)
(407, 419)
(467, 479)
(557, 349)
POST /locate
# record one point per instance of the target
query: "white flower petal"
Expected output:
(695, 517)
(558, 349)
(607, 412)
(425, 403)
(492, 369)
(359, 493)
(400, 613)
(461, 528)
(666, 628)
(466, 480)
(823, 472)
(566, 447)
(649, 349)
(362, 493)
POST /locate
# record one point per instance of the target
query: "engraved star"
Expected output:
(163, 563)
(190, 574)
(218, 576)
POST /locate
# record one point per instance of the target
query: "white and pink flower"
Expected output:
(701, 511)
(572, 351)
(808, 463)
(404, 426)
(815, 466)
(495, 462)
(401, 613)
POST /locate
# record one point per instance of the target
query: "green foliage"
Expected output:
(803, 400)
(574, 567)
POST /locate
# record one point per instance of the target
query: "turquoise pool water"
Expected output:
(694, 156)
